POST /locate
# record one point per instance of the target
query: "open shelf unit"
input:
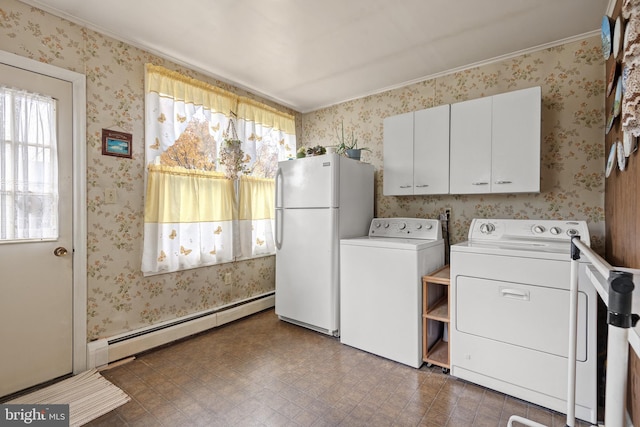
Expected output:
(435, 308)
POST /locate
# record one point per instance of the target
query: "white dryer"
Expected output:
(381, 286)
(510, 312)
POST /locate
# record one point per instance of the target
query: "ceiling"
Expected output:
(309, 54)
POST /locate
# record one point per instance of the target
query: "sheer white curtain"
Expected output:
(189, 205)
(268, 136)
(210, 184)
(28, 166)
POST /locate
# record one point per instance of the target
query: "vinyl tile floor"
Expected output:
(260, 371)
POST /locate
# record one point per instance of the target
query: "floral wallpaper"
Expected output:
(119, 297)
(572, 148)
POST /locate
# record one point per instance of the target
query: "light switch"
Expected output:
(110, 196)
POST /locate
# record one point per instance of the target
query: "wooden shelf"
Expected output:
(435, 308)
(440, 310)
(439, 354)
(440, 277)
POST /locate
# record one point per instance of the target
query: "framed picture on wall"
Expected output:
(116, 143)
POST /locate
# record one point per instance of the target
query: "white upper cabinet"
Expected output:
(485, 145)
(515, 153)
(471, 147)
(495, 144)
(416, 152)
(398, 155)
(431, 150)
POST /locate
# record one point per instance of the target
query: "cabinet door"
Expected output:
(470, 147)
(398, 155)
(516, 142)
(431, 150)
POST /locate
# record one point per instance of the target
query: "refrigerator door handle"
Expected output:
(279, 178)
(278, 236)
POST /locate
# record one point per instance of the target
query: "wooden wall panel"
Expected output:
(622, 220)
(633, 387)
(622, 205)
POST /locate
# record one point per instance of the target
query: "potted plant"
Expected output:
(318, 150)
(348, 144)
(232, 157)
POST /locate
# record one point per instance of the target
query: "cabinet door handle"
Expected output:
(479, 183)
(422, 185)
(515, 293)
(503, 182)
(405, 186)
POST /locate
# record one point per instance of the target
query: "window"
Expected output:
(211, 161)
(28, 166)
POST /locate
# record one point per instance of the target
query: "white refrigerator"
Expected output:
(319, 200)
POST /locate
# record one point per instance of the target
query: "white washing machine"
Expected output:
(510, 312)
(381, 286)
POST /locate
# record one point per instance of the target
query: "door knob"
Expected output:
(60, 251)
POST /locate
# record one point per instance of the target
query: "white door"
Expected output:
(36, 318)
(398, 155)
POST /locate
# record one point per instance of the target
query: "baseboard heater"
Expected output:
(108, 350)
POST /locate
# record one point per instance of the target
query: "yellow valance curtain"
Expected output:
(167, 83)
(182, 88)
(252, 111)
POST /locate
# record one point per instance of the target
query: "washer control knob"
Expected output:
(538, 229)
(428, 226)
(419, 227)
(402, 226)
(386, 225)
(555, 231)
(487, 228)
(378, 225)
(572, 232)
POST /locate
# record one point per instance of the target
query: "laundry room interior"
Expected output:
(429, 281)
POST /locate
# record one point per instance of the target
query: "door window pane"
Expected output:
(28, 166)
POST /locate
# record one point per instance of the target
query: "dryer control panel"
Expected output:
(411, 228)
(515, 230)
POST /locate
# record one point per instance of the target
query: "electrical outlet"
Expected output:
(110, 196)
(447, 212)
(227, 278)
